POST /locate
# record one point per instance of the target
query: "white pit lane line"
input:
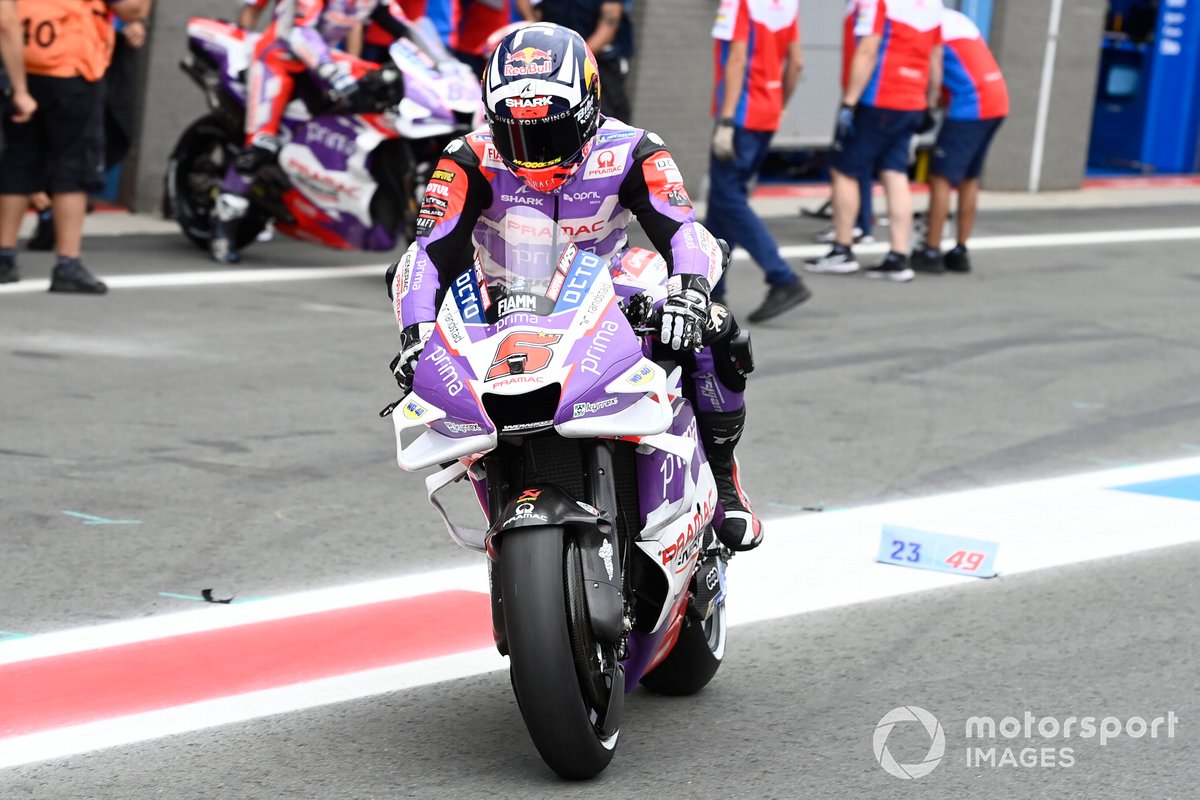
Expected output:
(807, 563)
(178, 280)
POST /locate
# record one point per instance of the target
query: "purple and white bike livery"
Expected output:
(584, 455)
(349, 175)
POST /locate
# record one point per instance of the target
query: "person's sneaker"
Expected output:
(72, 276)
(894, 267)
(43, 236)
(957, 260)
(928, 259)
(838, 261)
(829, 236)
(779, 299)
(8, 271)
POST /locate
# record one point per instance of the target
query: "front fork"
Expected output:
(591, 523)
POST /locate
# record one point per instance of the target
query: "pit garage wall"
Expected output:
(672, 86)
(1028, 155)
(172, 101)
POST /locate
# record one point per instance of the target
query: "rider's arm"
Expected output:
(304, 38)
(385, 16)
(455, 197)
(653, 190)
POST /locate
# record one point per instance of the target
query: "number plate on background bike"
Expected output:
(908, 547)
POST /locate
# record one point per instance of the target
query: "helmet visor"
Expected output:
(534, 145)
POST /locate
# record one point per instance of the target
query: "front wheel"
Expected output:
(563, 678)
(194, 174)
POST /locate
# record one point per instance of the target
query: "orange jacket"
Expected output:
(67, 38)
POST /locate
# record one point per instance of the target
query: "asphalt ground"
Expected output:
(237, 426)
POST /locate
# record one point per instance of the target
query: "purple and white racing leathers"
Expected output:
(627, 173)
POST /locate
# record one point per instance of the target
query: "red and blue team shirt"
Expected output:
(768, 27)
(973, 87)
(910, 30)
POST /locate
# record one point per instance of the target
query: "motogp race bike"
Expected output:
(584, 456)
(350, 174)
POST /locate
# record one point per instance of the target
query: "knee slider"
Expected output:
(733, 357)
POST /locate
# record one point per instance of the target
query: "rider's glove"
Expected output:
(845, 123)
(338, 79)
(412, 342)
(685, 314)
(722, 143)
(928, 122)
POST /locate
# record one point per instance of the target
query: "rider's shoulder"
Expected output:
(643, 143)
(468, 150)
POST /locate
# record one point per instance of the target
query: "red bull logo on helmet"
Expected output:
(528, 61)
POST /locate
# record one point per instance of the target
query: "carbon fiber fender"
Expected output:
(542, 505)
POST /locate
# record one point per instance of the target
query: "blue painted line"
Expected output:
(1112, 462)
(1190, 446)
(200, 599)
(13, 635)
(1088, 406)
(1185, 487)
(92, 519)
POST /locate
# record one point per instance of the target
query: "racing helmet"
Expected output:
(541, 90)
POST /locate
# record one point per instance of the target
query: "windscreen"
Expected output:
(525, 257)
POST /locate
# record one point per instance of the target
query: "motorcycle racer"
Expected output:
(298, 41)
(546, 146)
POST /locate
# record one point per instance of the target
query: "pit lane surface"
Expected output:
(236, 425)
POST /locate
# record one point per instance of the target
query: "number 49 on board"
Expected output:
(909, 547)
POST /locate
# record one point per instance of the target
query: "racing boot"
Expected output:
(736, 524)
(232, 203)
(228, 213)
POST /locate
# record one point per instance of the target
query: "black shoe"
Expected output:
(838, 261)
(9, 272)
(957, 260)
(72, 276)
(928, 259)
(780, 299)
(43, 238)
(894, 267)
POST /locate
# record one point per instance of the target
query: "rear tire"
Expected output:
(537, 565)
(194, 174)
(694, 659)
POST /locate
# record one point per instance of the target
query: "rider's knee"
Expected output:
(733, 356)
